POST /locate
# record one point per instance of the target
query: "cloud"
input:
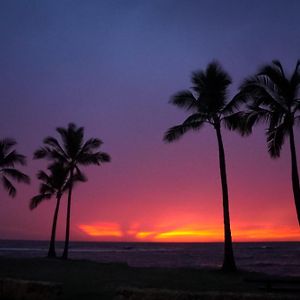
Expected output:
(187, 233)
(102, 229)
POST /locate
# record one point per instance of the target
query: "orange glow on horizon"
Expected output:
(268, 234)
(181, 233)
(145, 234)
(191, 233)
(102, 230)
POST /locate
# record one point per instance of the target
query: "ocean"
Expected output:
(274, 258)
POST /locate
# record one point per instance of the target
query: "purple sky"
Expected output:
(112, 66)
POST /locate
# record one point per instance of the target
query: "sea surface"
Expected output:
(276, 258)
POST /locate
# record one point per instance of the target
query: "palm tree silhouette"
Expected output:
(53, 185)
(72, 153)
(8, 159)
(273, 98)
(207, 104)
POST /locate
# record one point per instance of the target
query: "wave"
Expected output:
(22, 249)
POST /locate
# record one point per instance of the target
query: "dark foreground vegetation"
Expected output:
(91, 280)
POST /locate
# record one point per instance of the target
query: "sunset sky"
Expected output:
(111, 66)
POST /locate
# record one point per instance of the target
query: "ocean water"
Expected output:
(276, 258)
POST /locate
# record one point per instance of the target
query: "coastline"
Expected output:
(281, 258)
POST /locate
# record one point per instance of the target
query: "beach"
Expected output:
(83, 279)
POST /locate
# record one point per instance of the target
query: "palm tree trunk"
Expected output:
(67, 238)
(228, 263)
(295, 176)
(51, 252)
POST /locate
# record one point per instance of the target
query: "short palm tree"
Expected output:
(53, 185)
(273, 97)
(8, 159)
(207, 105)
(72, 152)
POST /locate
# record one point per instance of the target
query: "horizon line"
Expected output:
(153, 242)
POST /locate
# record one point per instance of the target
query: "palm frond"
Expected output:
(36, 200)
(275, 73)
(276, 118)
(185, 99)
(11, 159)
(237, 121)
(296, 107)
(214, 75)
(262, 91)
(176, 132)
(16, 175)
(244, 121)
(6, 144)
(277, 63)
(43, 176)
(50, 154)
(52, 142)
(275, 139)
(234, 105)
(93, 158)
(58, 170)
(256, 114)
(63, 132)
(295, 81)
(91, 144)
(8, 159)
(47, 188)
(79, 176)
(42, 152)
(8, 186)
(197, 117)
(103, 157)
(72, 138)
(211, 85)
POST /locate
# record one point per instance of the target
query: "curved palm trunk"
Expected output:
(51, 252)
(295, 176)
(228, 263)
(67, 238)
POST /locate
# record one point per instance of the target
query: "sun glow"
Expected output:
(102, 230)
(188, 233)
(267, 234)
(145, 234)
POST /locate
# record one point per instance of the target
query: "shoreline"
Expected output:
(270, 258)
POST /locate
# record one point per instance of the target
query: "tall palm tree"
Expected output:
(53, 185)
(207, 105)
(273, 98)
(8, 159)
(72, 152)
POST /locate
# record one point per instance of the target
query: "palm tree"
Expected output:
(72, 152)
(8, 159)
(207, 105)
(53, 185)
(273, 98)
